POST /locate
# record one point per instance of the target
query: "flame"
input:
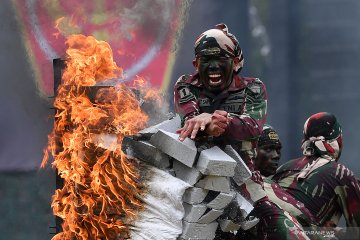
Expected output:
(101, 186)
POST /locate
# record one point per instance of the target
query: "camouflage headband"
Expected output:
(322, 136)
(322, 124)
(219, 41)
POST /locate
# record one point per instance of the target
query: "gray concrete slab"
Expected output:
(216, 162)
(245, 206)
(105, 140)
(210, 216)
(198, 231)
(185, 152)
(228, 225)
(242, 172)
(215, 183)
(185, 173)
(221, 201)
(145, 152)
(193, 212)
(194, 195)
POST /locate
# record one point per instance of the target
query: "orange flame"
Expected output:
(101, 186)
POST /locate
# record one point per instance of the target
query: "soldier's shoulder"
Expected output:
(341, 172)
(254, 84)
(185, 79)
(252, 80)
(291, 165)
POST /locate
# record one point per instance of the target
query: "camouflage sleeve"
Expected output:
(248, 125)
(185, 103)
(348, 192)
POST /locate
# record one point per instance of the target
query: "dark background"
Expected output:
(306, 52)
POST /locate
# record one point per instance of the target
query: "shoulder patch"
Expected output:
(255, 86)
(185, 94)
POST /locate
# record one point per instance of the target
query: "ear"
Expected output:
(236, 63)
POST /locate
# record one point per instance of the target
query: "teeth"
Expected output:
(214, 75)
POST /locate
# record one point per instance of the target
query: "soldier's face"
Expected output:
(215, 71)
(267, 159)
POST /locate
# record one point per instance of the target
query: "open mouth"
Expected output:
(215, 79)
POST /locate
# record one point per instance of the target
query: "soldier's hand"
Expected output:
(219, 123)
(193, 125)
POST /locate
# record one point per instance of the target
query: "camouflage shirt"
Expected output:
(246, 99)
(328, 192)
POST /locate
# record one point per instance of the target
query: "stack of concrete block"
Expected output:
(207, 171)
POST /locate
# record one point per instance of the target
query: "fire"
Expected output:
(101, 186)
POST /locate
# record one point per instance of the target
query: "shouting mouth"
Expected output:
(215, 79)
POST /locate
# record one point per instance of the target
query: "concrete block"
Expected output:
(214, 161)
(193, 212)
(244, 205)
(210, 216)
(246, 225)
(194, 195)
(198, 231)
(170, 125)
(242, 172)
(185, 173)
(105, 140)
(221, 201)
(215, 183)
(228, 225)
(185, 152)
(237, 210)
(145, 152)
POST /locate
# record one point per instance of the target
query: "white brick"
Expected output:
(214, 161)
(210, 216)
(215, 183)
(194, 195)
(185, 173)
(245, 206)
(185, 152)
(222, 200)
(246, 225)
(198, 231)
(228, 225)
(105, 140)
(145, 152)
(194, 212)
(242, 172)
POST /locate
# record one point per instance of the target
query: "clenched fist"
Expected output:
(213, 124)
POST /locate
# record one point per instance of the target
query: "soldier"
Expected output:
(266, 161)
(219, 106)
(269, 152)
(327, 188)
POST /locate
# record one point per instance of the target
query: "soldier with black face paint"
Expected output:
(220, 107)
(269, 152)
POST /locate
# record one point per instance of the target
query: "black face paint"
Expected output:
(215, 71)
(267, 160)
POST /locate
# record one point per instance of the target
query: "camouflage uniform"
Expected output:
(327, 188)
(266, 161)
(245, 100)
(246, 97)
(328, 192)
